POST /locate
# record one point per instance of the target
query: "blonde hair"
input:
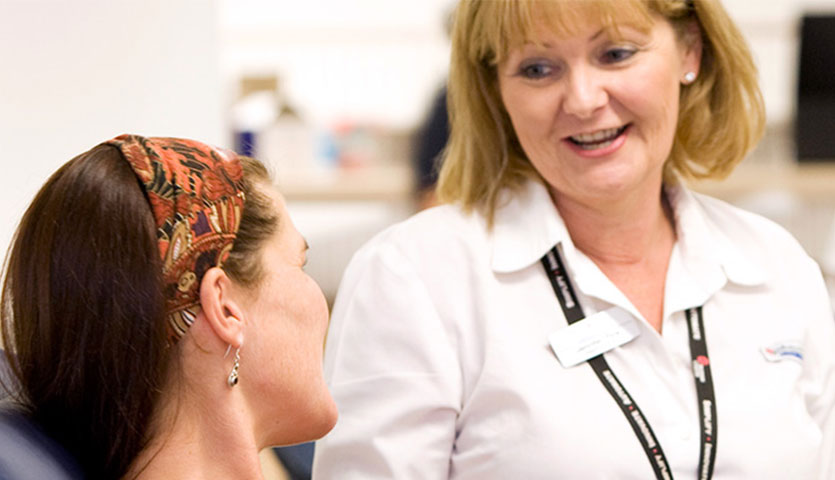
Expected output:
(721, 115)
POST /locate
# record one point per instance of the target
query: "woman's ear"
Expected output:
(220, 307)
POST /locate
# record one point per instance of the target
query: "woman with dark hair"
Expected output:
(156, 316)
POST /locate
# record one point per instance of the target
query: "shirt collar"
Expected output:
(703, 241)
(527, 225)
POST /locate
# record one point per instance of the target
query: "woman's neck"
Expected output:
(199, 441)
(623, 233)
(631, 242)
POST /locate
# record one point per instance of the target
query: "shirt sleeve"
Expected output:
(819, 353)
(392, 368)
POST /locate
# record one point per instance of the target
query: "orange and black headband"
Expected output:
(196, 197)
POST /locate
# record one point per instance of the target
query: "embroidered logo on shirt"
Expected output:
(780, 351)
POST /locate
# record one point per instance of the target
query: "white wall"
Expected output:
(367, 61)
(77, 72)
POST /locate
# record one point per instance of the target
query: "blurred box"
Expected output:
(815, 122)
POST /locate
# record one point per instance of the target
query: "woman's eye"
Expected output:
(536, 70)
(615, 55)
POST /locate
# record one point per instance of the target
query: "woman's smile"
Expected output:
(599, 142)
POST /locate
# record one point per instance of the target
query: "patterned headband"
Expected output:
(196, 198)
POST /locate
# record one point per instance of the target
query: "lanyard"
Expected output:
(555, 268)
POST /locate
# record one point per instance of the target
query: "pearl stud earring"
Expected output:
(689, 77)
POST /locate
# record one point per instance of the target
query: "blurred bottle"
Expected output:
(289, 142)
(254, 111)
(356, 145)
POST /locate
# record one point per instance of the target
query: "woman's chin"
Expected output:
(325, 420)
(306, 426)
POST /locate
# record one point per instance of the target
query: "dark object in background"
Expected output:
(297, 460)
(26, 453)
(815, 122)
(430, 142)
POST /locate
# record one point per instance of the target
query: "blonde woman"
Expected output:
(574, 311)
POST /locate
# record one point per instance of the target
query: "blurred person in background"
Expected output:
(431, 138)
(429, 146)
(574, 310)
(157, 319)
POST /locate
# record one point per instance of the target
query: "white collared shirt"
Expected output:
(439, 362)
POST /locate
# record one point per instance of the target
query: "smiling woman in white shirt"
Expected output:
(574, 311)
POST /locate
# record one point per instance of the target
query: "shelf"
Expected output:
(391, 183)
(808, 181)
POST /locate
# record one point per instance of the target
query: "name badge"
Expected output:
(592, 336)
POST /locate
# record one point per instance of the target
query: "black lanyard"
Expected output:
(555, 268)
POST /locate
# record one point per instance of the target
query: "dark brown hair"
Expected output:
(258, 222)
(83, 307)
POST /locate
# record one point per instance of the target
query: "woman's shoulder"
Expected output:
(754, 250)
(439, 243)
(753, 237)
(743, 226)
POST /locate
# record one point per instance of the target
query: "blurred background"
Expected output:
(334, 95)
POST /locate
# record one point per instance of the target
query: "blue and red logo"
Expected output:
(783, 351)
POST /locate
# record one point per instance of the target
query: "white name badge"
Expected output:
(592, 336)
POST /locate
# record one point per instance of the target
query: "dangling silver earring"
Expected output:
(232, 380)
(689, 77)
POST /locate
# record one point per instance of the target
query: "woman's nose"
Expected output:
(584, 94)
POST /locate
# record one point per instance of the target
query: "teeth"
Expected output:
(596, 136)
(593, 146)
